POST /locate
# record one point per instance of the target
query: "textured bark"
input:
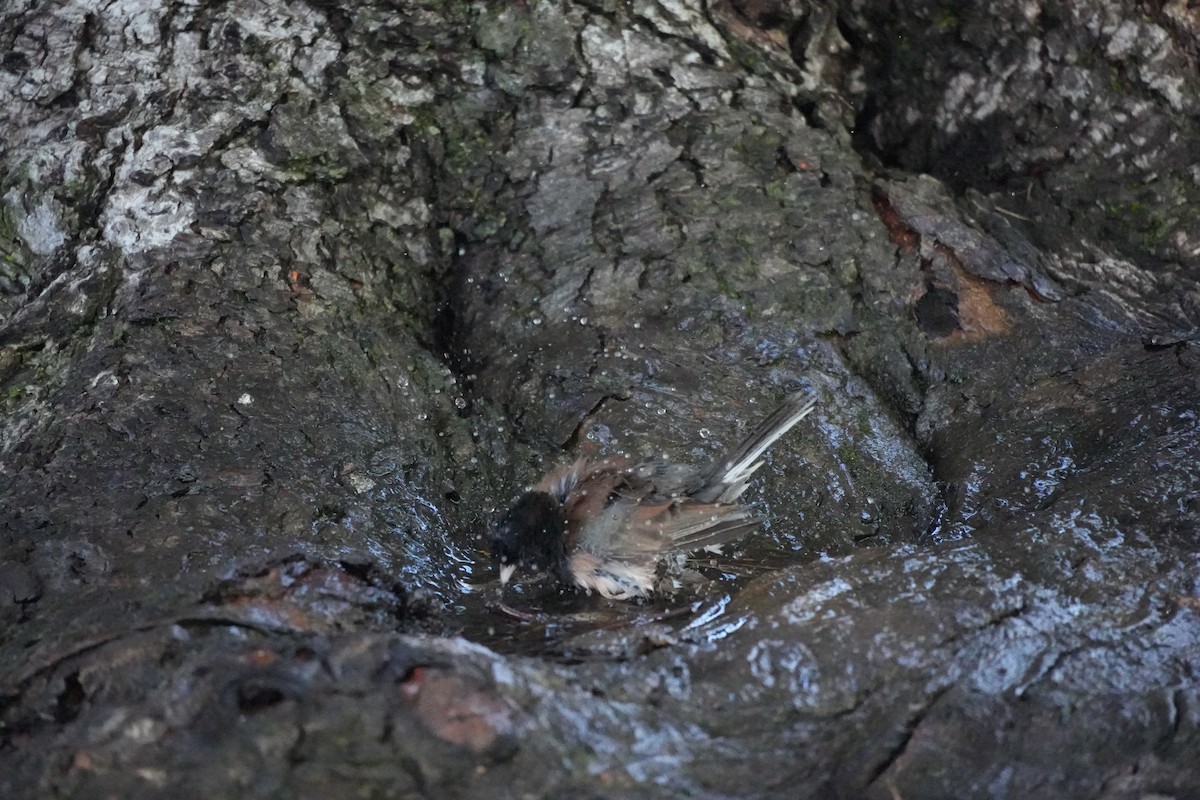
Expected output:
(293, 297)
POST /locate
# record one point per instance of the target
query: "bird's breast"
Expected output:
(616, 580)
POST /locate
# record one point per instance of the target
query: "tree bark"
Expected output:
(293, 297)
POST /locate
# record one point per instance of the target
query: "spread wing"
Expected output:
(691, 526)
(622, 521)
(617, 512)
(635, 531)
(618, 551)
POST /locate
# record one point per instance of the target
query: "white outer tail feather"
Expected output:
(736, 475)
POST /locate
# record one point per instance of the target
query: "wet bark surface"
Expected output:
(294, 297)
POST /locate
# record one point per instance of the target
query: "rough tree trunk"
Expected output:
(294, 296)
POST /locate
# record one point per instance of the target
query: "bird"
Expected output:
(621, 528)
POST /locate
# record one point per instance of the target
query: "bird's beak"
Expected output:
(506, 572)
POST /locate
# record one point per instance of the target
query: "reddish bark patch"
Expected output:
(455, 711)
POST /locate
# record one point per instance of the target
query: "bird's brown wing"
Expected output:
(606, 555)
(566, 482)
(688, 525)
(602, 514)
(618, 551)
(620, 525)
(636, 531)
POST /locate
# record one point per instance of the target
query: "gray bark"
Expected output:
(294, 297)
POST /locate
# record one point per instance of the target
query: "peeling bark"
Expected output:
(292, 297)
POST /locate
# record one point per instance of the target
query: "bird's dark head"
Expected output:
(530, 535)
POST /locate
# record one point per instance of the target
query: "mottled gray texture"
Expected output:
(293, 297)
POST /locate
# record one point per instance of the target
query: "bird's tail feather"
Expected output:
(726, 479)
